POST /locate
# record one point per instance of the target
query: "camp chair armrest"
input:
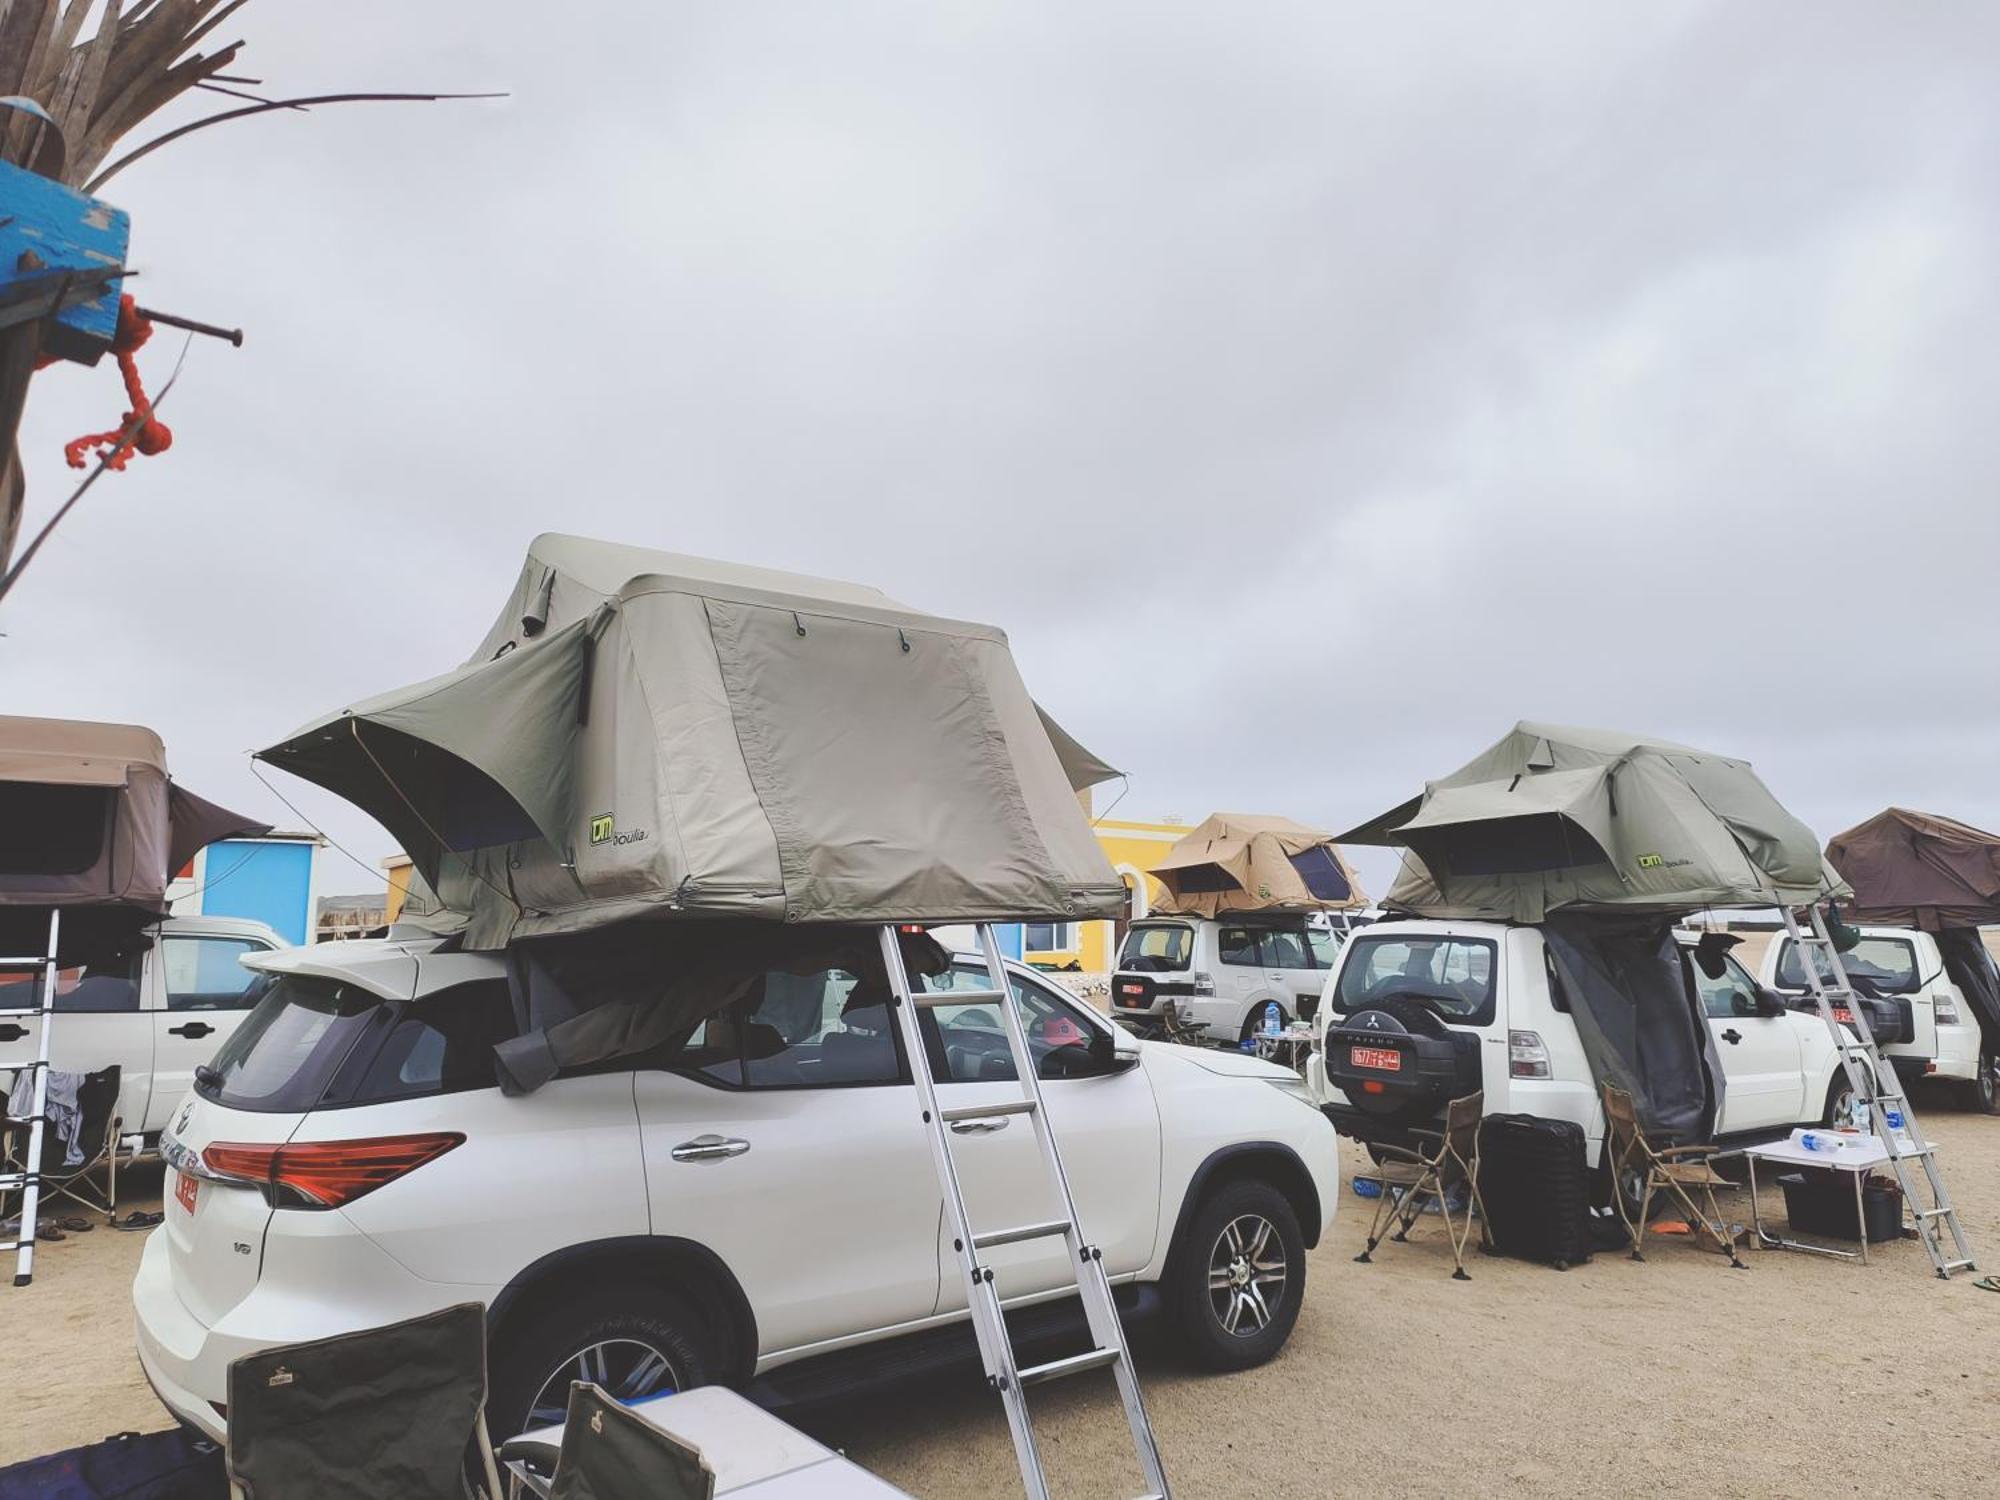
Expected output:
(1664, 1152)
(1414, 1158)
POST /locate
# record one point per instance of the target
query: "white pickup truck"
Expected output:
(158, 1009)
(1903, 965)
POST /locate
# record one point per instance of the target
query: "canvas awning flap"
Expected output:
(1553, 818)
(476, 757)
(195, 822)
(1083, 769)
(1915, 869)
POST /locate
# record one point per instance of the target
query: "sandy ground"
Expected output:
(1677, 1376)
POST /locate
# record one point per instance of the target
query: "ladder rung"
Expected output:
(1015, 1236)
(1960, 1265)
(931, 999)
(1076, 1364)
(1931, 1213)
(988, 1111)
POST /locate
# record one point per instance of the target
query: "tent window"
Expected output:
(1507, 846)
(1200, 879)
(1322, 874)
(51, 830)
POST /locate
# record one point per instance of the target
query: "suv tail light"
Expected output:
(1527, 1057)
(1202, 984)
(325, 1174)
(1944, 1010)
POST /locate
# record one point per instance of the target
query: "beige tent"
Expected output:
(1554, 818)
(1247, 862)
(647, 734)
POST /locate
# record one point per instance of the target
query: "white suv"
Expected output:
(1220, 972)
(748, 1198)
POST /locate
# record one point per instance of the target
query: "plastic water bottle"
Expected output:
(1893, 1115)
(1274, 1019)
(1818, 1141)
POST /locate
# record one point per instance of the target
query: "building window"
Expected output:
(1050, 937)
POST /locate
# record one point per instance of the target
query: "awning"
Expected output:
(1541, 820)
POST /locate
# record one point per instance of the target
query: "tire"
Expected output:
(1254, 1022)
(1214, 1320)
(629, 1337)
(1837, 1091)
(1623, 1198)
(1982, 1094)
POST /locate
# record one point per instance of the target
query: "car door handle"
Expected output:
(192, 1029)
(977, 1127)
(710, 1148)
(1732, 1036)
(12, 1033)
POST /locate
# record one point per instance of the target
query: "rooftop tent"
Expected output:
(1241, 862)
(1913, 869)
(1553, 818)
(90, 819)
(646, 734)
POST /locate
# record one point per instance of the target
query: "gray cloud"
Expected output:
(1310, 390)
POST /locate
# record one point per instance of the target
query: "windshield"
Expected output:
(280, 1059)
(1454, 975)
(1162, 949)
(1876, 965)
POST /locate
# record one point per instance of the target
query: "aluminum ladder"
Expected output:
(1827, 978)
(989, 1320)
(28, 1181)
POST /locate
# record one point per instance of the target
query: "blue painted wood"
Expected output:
(270, 882)
(66, 231)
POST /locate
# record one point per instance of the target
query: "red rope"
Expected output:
(152, 436)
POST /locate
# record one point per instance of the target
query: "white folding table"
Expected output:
(754, 1455)
(1857, 1160)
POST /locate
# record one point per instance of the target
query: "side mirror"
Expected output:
(1112, 1053)
(1769, 1005)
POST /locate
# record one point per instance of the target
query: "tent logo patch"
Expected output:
(600, 829)
(1646, 861)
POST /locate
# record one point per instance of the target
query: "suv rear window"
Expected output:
(1453, 974)
(313, 1042)
(1877, 965)
(1164, 949)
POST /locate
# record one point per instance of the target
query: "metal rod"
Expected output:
(228, 335)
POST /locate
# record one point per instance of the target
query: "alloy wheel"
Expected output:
(1247, 1275)
(626, 1369)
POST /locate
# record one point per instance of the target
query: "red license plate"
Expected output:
(185, 1189)
(1388, 1059)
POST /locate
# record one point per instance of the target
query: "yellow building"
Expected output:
(1133, 848)
(398, 868)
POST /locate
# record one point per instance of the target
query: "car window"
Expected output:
(1325, 946)
(441, 1044)
(972, 1038)
(1284, 948)
(1163, 949)
(1732, 996)
(1454, 975)
(289, 1046)
(207, 973)
(1237, 946)
(829, 1028)
(1876, 965)
(96, 985)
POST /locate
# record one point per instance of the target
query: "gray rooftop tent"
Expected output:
(1915, 869)
(642, 734)
(1603, 839)
(91, 823)
(1237, 862)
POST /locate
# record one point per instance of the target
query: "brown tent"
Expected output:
(90, 818)
(1247, 862)
(1913, 869)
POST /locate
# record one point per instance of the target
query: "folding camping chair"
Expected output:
(1409, 1178)
(93, 1139)
(1681, 1172)
(608, 1453)
(384, 1412)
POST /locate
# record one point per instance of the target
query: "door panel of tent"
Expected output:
(1106, 1128)
(1762, 1065)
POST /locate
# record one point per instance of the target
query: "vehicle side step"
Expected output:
(1015, 1236)
(988, 1111)
(1076, 1364)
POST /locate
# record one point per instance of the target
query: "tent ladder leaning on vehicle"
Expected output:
(989, 1318)
(1889, 1112)
(28, 1181)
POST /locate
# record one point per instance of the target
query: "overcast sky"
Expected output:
(1310, 390)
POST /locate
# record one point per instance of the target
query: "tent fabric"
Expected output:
(90, 818)
(1554, 818)
(643, 734)
(1639, 1018)
(1236, 862)
(1915, 869)
(1969, 965)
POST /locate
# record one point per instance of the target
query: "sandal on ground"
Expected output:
(138, 1219)
(49, 1232)
(76, 1224)
(1988, 1283)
